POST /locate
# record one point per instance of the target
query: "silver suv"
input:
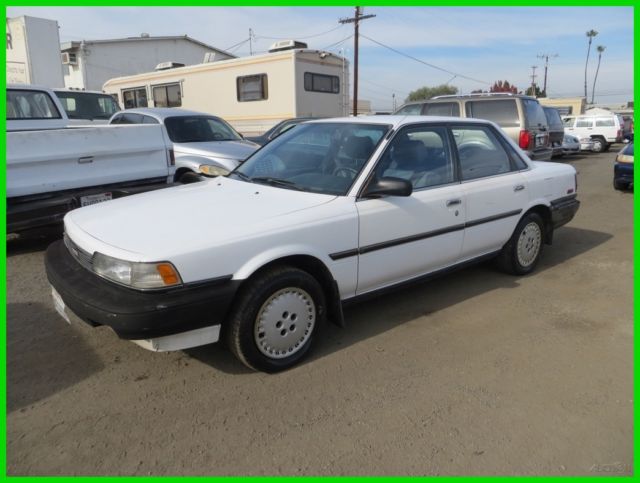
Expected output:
(520, 116)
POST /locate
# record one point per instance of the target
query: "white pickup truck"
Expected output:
(52, 169)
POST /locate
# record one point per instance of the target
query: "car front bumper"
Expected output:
(134, 314)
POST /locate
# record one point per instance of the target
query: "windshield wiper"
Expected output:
(277, 182)
(242, 176)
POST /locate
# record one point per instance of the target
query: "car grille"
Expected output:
(82, 257)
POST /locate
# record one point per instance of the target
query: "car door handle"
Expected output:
(85, 160)
(518, 187)
(456, 201)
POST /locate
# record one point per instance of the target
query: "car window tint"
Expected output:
(503, 112)
(442, 109)
(584, 122)
(149, 120)
(131, 118)
(605, 122)
(628, 150)
(419, 154)
(480, 152)
(410, 110)
(198, 129)
(553, 118)
(533, 113)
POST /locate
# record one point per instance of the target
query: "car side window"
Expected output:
(116, 120)
(584, 122)
(419, 154)
(480, 153)
(149, 120)
(130, 118)
(410, 110)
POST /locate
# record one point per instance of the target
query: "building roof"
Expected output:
(76, 44)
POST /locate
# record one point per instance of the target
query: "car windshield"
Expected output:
(628, 150)
(199, 129)
(88, 105)
(317, 157)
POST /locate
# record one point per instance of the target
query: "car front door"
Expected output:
(494, 189)
(405, 237)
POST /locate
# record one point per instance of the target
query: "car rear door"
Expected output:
(405, 237)
(494, 189)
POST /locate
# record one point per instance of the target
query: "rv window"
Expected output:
(321, 83)
(167, 96)
(252, 88)
(135, 98)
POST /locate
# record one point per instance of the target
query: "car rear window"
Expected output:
(410, 110)
(446, 109)
(533, 113)
(503, 112)
(553, 118)
(605, 122)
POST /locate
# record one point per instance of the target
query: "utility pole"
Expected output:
(250, 38)
(356, 21)
(546, 66)
(393, 103)
(533, 80)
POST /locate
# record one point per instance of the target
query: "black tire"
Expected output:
(509, 260)
(599, 145)
(189, 177)
(620, 185)
(300, 298)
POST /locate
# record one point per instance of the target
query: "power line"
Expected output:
(335, 44)
(425, 63)
(400, 91)
(236, 45)
(299, 37)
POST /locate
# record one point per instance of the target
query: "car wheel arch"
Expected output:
(545, 213)
(315, 267)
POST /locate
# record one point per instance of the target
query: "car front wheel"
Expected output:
(275, 319)
(522, 252)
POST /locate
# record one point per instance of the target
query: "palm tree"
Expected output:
(600, 49)
(590, 35)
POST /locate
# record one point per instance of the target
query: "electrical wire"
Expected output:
(299, 37)
(425, 63)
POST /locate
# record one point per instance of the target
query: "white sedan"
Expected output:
(329, 212)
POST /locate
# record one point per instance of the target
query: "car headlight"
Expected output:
(211, 170)
(139, 275)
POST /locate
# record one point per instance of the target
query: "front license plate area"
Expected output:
(93, 199)
(59, 305)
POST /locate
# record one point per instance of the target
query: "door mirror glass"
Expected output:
(388, 186)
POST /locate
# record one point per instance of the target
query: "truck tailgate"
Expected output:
(62, 159)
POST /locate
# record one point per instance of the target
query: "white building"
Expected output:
(33, 56)
(88, 64)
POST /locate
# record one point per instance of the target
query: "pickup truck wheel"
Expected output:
(275, 319)
(521, 253)
(189, 177)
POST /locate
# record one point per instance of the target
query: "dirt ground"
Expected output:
(474, 373)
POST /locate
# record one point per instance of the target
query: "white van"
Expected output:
(602, 129)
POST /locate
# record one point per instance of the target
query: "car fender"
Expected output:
(194, 162)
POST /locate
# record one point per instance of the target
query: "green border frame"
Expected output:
(280, 3)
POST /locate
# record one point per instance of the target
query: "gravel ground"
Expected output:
(474, 373)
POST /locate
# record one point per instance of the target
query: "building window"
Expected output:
(167, 96)
(321, 83)
(136, 97)
(252, 88)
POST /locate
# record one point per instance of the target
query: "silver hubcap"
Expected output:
(285, 322)
(529, 244)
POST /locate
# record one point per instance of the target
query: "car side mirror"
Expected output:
(388, 186)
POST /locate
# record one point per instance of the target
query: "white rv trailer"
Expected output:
(251, 93)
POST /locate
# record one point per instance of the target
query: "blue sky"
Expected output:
(485, 43)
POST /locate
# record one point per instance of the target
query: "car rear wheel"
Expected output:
(599, 145)
(522, 252)
(275, 319)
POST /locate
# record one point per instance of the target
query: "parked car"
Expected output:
(602, 129)
(52, 168)
(623, 168)
(276, 130)
(521, 117)
(87, 107)
(556, 130)
(327, 213)
(570, 144)
(203, 145)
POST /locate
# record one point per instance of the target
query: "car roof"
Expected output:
(402, 120)
(162, 113)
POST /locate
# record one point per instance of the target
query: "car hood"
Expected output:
(236, 150)
(185, 219)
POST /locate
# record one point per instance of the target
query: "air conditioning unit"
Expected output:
(69, 58)
(287, 45)
(168, 65)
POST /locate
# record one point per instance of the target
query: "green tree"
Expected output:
(429, 92)
(537, 93)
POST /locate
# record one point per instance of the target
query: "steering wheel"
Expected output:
(218, 136)
(344, 172)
